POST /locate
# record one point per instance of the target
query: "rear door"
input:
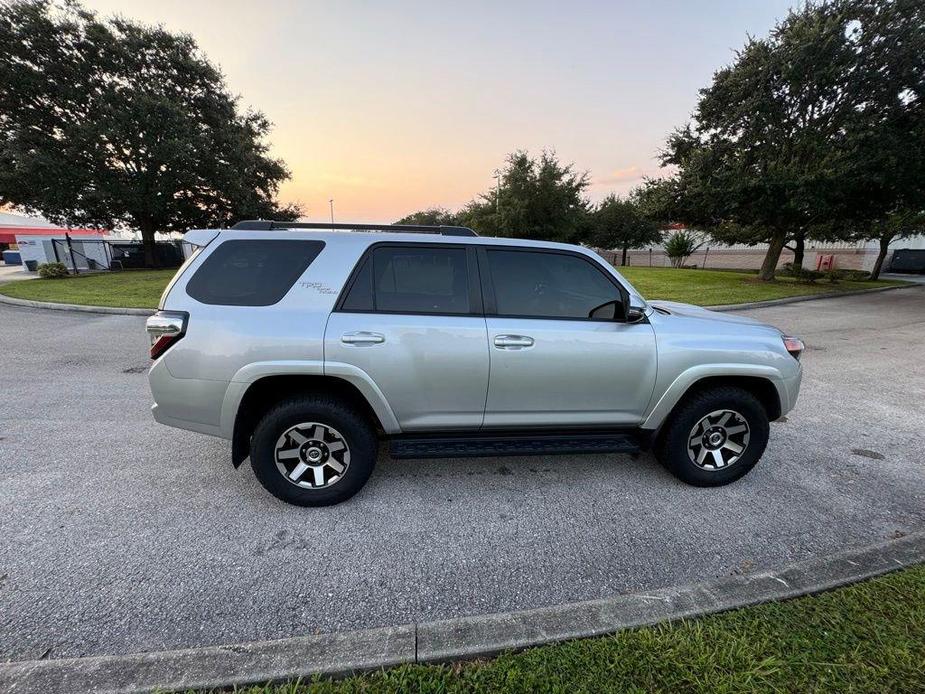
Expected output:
(411, 318)
(555, 361)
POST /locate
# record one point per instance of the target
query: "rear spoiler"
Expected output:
(201, 237)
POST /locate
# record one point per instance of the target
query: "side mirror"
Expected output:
(635, 314)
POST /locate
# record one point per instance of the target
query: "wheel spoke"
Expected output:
(335, 466)
(734, 447)
(298, 471)
(702, 455)
(319, 475)
(736, 429)
(297, 437)
(287, 455)
(718, 458)
(336, 446)
(726, 417)
(318, 433)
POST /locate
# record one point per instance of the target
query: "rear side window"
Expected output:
(251, 272)
(411, 280)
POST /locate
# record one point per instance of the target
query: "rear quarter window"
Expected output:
(251, 272)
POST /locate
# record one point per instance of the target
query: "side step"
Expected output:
(511, 444)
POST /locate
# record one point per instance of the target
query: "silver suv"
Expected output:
(306, 348)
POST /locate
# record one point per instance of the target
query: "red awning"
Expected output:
(8, 234)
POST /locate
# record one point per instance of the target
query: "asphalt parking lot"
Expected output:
(120, 535)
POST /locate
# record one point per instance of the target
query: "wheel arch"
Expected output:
(766, 386)
(264, 392)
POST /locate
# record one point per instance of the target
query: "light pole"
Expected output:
(497, 177)
(331, 203)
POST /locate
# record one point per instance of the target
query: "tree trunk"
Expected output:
(884, 247)
(623, 262)
(148, 243)
(769, 265)
(799, 248)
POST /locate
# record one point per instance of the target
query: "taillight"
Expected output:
(794, 345)
(164, 329)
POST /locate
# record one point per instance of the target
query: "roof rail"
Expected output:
(269, 224)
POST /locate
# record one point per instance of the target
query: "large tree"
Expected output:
(111, 123)
(536, 198)
(817, 127)
(619, 223)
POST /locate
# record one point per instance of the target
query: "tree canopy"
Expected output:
(620, 223)
(816, 128)
(111, 123)
(535, 198)
(432, 216)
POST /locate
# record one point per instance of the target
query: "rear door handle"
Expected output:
(361, 337)
(513, 341)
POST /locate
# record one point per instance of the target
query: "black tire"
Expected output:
(352, 426)
(672, 447)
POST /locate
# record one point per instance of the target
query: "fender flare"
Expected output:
(687, 378)
(250, 374)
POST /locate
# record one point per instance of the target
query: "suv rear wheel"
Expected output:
(313, 451)
(714, 437)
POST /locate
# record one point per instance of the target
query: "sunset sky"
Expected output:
(390, 107)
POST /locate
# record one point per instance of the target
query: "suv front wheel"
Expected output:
(313, 451)
(714, 437)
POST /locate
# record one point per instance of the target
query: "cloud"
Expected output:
(627, 175)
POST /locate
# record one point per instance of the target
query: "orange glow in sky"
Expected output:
(390, 107)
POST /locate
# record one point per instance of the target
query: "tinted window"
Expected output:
(411, 280)
(251, 273)
(548, 285)
(360, 296)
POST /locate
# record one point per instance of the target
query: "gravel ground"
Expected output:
(120, 535)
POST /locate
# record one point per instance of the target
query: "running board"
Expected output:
(517, 444)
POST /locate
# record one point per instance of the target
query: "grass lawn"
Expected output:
(717, 287)
(127, 289)
(142, 288)
(869, 637)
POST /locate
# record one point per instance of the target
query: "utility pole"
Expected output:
(331, 203)
(497, 177)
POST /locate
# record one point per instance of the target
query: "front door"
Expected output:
(412, 320)
(553, 363)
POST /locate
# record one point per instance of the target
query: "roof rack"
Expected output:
(269, 224)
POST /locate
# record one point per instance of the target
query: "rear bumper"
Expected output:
(186, 403)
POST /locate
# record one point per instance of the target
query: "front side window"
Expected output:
(251, 272)
(549, 285)
(411, 279)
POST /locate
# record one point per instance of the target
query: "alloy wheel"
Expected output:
(312, 455)
(718, 440)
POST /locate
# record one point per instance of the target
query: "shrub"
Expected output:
(803, 275)
(833, 276)
(680, 246)
(52, 271)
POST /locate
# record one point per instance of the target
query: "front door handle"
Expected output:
(361, 337)
(513, 341)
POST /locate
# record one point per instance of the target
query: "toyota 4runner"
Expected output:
(307, 347)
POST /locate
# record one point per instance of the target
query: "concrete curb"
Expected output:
(800, 299)
(727, 307)
(76, 307)
(453, 639)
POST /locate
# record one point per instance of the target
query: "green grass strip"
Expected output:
(869, 637)
(143, 288)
